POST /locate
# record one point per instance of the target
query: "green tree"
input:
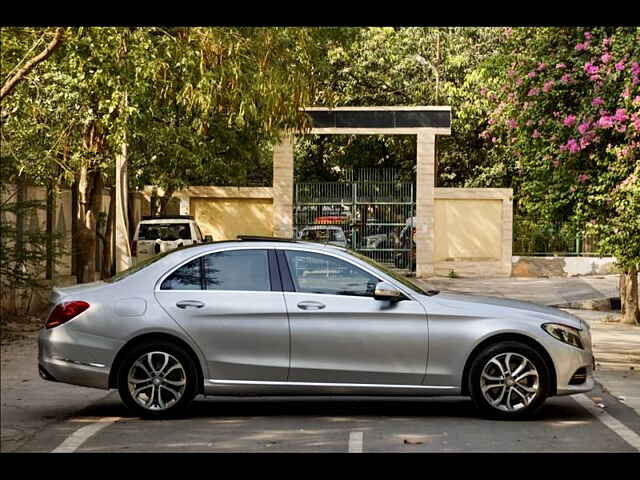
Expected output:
(405, 66)
(566, 110)
(181, 98)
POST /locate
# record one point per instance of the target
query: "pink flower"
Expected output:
(511, 72)
(494, 139)
(491, 121)
(580, 47)
(583, 127)
(569, 120)
(590, 68)
(583, 178)
(518, 82)
(548, 86)
(621, 115)
(587, 35)
(605, 121)
(512, 123)
(635, 68)
(530, 122)
(584, 142)
(531, 74)
(536, 134)
(483, 91)
(533, 92)
(565, 79)
(571, 145)
(620, 65)
(605, 58)
(560, 65)
(635, 121)
(541, 66)
(594, 78)
(626, 93)
(597, 101)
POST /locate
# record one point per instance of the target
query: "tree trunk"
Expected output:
(107, 252)
(164, 201)
(629, 296)
(90, 200)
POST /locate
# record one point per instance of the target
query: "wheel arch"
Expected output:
(501, 337)
(148, 337)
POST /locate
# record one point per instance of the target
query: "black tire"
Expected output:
(500, 351)
(188, 374)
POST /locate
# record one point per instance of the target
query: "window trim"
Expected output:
(158, 289)
(282, 254)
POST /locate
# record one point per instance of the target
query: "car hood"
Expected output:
(492, 307)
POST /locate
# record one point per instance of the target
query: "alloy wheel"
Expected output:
(509, 382)
(157, 381)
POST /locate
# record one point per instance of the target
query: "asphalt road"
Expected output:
(345, 425)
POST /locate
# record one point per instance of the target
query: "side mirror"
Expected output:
(386, 291)
(208, 238)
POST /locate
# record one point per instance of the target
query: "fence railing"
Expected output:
(537, 238)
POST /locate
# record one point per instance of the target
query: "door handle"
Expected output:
(189, 303)
(310, 305)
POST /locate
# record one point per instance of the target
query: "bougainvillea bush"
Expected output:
(566, 111)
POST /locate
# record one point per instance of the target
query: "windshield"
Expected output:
(396, 276)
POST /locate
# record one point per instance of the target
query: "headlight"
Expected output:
(564, 333)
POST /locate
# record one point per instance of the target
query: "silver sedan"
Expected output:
(259, 317)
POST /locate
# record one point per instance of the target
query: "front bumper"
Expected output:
(570, 361)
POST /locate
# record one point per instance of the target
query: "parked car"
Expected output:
(331, 234)
(209, 319)
(160, 234)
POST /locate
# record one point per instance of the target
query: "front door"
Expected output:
(231, 305)
(341, 334)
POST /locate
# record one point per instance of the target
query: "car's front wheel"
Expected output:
(157, 379)
(509, 380)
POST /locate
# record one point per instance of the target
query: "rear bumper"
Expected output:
(64, 357)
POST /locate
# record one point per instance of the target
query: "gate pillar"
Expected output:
(283, 187)
(425, 189)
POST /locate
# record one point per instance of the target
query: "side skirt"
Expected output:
(248, 387)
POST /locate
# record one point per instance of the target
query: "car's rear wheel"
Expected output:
(157, 379)
(509, 380)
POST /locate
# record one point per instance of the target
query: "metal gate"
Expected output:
(373, 217)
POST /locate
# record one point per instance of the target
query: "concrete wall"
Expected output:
(226, 212)
(562, 266)
(226, 218)
(472, 231)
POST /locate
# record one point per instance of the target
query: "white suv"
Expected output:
(160, 234)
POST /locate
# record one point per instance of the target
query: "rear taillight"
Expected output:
(63, 312)
(134, 248)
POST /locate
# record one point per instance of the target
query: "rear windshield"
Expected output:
(164, 231)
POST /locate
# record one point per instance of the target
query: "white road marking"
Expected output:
(355, 442)
(618, 428)
(77, 438)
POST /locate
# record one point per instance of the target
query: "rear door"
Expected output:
(230, 302)
(340, 333)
